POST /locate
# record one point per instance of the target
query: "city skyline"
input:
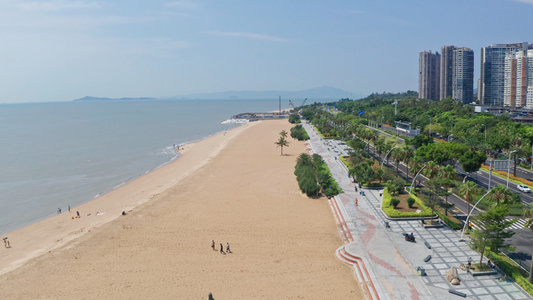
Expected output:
(58, 50)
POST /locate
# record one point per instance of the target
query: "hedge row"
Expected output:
(393, 213)
(449, 222)
(512, 270)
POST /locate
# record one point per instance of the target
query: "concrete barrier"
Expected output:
(428, 258)
(427, 245)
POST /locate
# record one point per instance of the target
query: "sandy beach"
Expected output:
(233, 187)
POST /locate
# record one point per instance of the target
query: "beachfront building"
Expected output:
(518, 79)
(491, 87)
(446, 71)
(428, 75)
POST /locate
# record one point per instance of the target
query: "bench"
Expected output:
(457, 293)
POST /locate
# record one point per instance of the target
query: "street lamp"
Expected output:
(387, 155)
(469, 213)
(485, 132)
(509, 167)
(414, 178)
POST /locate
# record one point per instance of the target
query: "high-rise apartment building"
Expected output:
(491, 89)
(462, 75)
(518, 81)
(428, 75)
(446, 71)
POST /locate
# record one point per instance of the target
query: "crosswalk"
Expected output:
(515, 226)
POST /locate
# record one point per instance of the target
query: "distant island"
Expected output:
(90, 98)
(319, 93)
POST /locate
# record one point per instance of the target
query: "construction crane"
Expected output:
(292, 105)
(303, 102)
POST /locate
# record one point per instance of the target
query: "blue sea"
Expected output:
(53, 155)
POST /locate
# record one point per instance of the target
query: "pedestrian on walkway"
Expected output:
(356, 201)
(469, 261)
(227, 249)
(356, 188)
(213, 245)
(222, 249)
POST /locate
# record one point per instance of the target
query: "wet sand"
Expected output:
(233, 187)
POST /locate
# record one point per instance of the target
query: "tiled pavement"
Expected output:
(392, 262)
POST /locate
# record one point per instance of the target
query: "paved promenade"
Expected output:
(385, 264)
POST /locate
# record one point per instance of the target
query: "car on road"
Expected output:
(523, 188)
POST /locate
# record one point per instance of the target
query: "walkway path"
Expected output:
(385, 263)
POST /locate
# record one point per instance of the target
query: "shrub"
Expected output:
(394, 202)
(393, 213)
(410, 202)
(453, 225)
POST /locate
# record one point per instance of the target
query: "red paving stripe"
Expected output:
(384, 264)
(414, 292)
(369, 233)
(343, 223)
(343, 233)
(368, 280)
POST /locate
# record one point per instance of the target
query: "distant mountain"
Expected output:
(319, 93)
(90, 98)
(323, 92)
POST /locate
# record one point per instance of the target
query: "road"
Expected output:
(523, 238)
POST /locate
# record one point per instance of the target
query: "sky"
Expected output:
(60, 50)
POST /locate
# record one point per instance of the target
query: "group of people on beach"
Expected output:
(228, 250)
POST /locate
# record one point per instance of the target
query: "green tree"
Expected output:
(468, 190)
(500, 195)
(282, 141)
(471, 162)
(491, 230)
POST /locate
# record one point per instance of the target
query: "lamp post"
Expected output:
(469, 213)
(485, 132)
(414, 178)
(387, 155)
(509, 167)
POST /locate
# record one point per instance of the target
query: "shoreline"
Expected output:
(233, 189)
(107, 212)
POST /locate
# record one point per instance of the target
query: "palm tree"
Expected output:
(396, 155)
(407, 154)
(447, 172)
(282, 142)
(379, 145)
(432, 169)
(467, 190)
(500, 195)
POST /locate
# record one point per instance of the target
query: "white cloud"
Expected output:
(255, 36)
(52, 5)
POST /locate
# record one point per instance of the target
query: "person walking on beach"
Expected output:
(222, 249)
(213, 245)
(227, 249)
(78, 214)
(5, 242)
(69, 208)
(58, 210)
